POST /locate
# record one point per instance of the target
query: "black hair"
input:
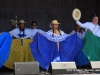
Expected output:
(58, 30)
(75, 27)
(33, 22)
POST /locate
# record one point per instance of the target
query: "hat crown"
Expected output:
(12, 20)
(55, 22)
(22, 21)
(76, 14)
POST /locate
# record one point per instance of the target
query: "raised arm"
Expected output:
(83, 25)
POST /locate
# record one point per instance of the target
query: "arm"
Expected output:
(83, 34)
(83, 25)
(14, 33)
(72, 32)
(41, 31)
(11, 33)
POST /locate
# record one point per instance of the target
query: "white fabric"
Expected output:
(80, 35)
(34, 31)
(56, 37)
(89, 25)
(50, 32)
(16, 31)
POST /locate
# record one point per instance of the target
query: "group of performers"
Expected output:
(23, 44)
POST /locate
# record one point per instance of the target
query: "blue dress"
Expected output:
(5, 44)
(45, 49)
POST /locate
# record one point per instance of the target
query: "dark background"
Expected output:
(44, 11)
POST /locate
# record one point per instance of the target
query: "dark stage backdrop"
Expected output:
(44, 11)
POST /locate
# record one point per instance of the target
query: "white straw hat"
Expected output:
(76, 14)
(21, 21)
(54, 22)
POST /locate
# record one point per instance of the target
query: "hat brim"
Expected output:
(76, 14)
(22, 22)
(12, 20)
(55, 23)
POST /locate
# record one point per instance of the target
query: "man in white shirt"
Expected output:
(92, 26)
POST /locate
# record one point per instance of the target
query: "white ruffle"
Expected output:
(56, 37)
(16, 31)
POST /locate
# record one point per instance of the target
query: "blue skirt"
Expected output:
(5, 44)
(45, 51)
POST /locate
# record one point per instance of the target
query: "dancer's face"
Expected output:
(34, 26)
(55, 26)
(21, 25)
(95, 20)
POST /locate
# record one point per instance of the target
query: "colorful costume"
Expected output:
(5, 44)
(17, 33)
(91, 46)
(91, 40)
(45, 49)
(20, 49)
(19, 53)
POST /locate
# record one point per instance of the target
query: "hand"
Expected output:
(90, 30)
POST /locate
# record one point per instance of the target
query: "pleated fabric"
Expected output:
(5, 44)
(19, 52)
(91, 46)
(45, 51)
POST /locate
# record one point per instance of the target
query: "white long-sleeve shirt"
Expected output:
(16, 32)
(80, 35)
(34, 31)
(89, 25)
(50, 32)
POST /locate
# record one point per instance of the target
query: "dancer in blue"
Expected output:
(5, 44)
(55, 46)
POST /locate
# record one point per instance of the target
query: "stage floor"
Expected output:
(6, 71)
